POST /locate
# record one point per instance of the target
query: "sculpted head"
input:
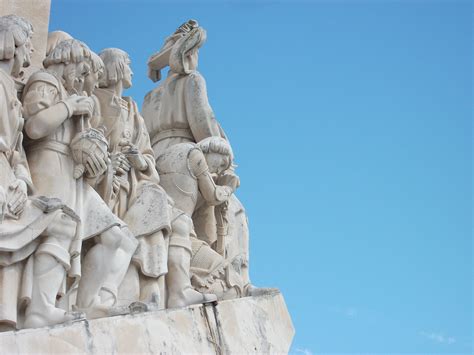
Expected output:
(97, 67)
(117, 68)
(70, 60)
(184, 55)
(218, 154)
(15, 43)
(179, 52)
(54, 38)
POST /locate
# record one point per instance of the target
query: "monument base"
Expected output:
(259, 324)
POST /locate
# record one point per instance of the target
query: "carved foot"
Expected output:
(189, 297)
(49, 317)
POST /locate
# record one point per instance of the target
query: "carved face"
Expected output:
(91, 82)
(127, 76)
(22, 58)
(217, 163)
(81, 72)
(193, 59)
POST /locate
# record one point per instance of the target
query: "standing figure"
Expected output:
(34, 238)
(136, 196)
(178, 111)
(186, 171)
(55, 116)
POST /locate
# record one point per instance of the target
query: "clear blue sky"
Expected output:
(351, 125)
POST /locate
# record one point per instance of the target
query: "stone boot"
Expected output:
(42, 311)
(180, 291)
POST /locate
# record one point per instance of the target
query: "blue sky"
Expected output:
(351, 125)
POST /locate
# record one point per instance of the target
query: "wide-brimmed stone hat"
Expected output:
(186, 37)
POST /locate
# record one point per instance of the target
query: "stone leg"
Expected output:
(129, 290)
(151, 290)
(10, 277)
(103, 269)
(50, 262)
(180, 291)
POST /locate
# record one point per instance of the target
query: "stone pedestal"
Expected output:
(247, 325)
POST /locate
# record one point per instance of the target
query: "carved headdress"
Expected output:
(114, 60)
(187, 37)
(54, 38)
(14, 32)
(68, 51)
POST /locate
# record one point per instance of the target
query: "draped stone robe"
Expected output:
(140, 202)
(52, 165)
(19, 235)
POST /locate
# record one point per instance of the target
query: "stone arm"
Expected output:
(201, 118)
(42, 110)
(141, 142)
(20, 165)
(144, 147)
(144, 144)
(95, 120)
(213, 194)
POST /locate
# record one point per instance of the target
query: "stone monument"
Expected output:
(119, 232)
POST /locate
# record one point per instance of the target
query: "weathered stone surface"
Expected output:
(37, 12)
(247, 325)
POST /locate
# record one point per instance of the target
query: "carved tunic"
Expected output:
(140, 202)
(178, 111)
(19, 236)
(52, 165)
(185, 177)
(12, 160)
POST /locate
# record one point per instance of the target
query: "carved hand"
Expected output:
(18, 197)
(80, 105)
(133, 155)
(228, 179)
(96, 166)
(120, 163)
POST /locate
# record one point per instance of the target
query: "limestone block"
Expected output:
(246, 325)
(270, 330)
(61, 339)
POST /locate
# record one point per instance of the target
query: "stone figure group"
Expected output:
(105, 209)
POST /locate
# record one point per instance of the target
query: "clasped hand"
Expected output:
(133, 155)
(81, 105)
(17, 197)
(228, 179)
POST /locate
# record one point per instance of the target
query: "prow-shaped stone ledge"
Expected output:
(259, 324)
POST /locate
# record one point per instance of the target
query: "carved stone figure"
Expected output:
(178, 111)
(34, 252)
(103, 211)
(186, 171)
(136, 196)
(55, 114)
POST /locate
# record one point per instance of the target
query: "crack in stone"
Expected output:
(212, 339)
